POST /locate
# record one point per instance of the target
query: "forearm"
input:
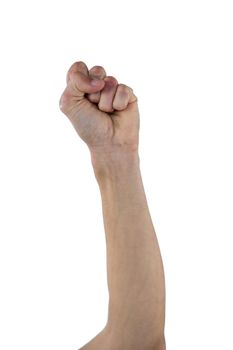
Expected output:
(134, 265)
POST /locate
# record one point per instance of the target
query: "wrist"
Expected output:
(113, 164)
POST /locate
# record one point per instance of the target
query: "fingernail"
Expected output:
(95, 82)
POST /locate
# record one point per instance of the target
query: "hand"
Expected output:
(105, 115)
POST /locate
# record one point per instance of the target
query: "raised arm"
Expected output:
(106, 117)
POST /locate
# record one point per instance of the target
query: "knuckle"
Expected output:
(97, 70)
(112, 80)
(79, 64)
(124, 89)
(76, 66)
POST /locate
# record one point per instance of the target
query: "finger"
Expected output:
(80, 65)
(124, 95)
(97, 72)
(78, 78)
(107, 94)
(77, 66)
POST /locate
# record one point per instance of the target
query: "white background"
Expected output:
(177, 56)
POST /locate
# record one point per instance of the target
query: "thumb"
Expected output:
(85, 84)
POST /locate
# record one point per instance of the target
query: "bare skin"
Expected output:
(106, 117)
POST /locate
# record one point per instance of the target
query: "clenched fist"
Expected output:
(104, 113)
